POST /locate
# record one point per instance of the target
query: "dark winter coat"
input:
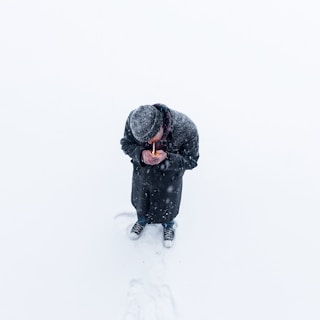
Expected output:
(156, 190)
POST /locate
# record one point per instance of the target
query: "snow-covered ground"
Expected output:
(247, 72)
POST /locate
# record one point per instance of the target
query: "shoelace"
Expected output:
(168, 234)
(137, 228)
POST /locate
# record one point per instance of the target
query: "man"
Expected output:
(162, 144)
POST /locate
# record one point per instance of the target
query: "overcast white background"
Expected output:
(247, 73)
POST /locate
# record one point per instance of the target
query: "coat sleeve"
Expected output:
(187, 157)
(129, 144)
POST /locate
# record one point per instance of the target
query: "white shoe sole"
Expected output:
(134, 236)
(168, 243)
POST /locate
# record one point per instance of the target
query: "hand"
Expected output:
(153, 159)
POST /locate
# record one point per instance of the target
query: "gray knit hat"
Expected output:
(145, 122)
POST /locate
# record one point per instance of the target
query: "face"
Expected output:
(157, 137)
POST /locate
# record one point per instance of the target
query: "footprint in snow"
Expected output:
(125, 220)
(149, 301)
(148, 296)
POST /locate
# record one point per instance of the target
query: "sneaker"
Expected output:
(136, 231)
(168, 237)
